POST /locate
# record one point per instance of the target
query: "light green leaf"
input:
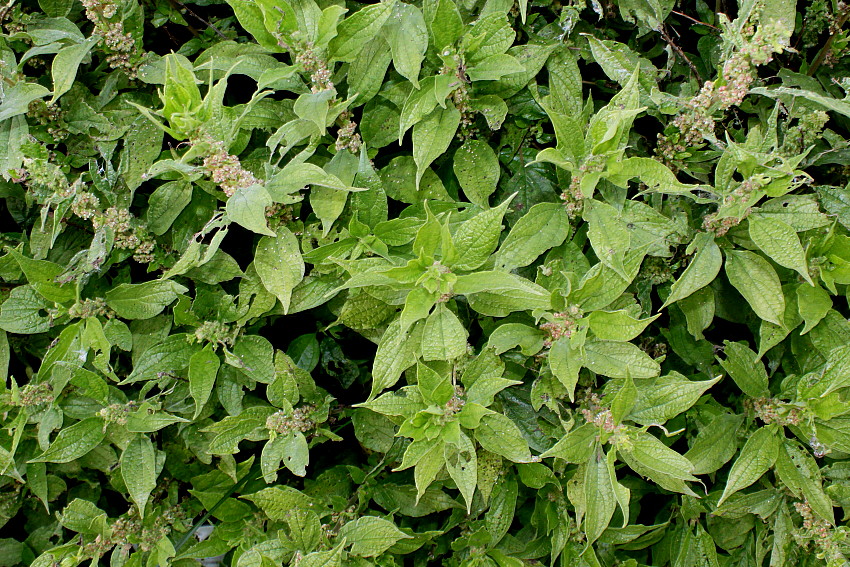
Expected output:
(279, 264)
(443, 336)
(166, 203)
(462, 465)
(477, 170)
(756, 280)
(665, 397)
(617, 325)
(599, 498)
(501, 436)
(781, 244)
(715, 444)
(278, 501)
(813, 303)
(743, 366)
(396, 353)
(247, 206)
(700, 272)
(203, 368)
(445, 24)
(144, 300)
(655, 455)
(138, 469)
(432, 136)
(354, 32)
(576, 446)
(73, 442)
(477, 238)
(407, 35)
(544, 226)
(757, 456)
(617, 360)
(169, 356)
(371, 536)
(65, 64)
(494, 68)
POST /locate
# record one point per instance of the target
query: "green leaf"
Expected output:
(813, 303)
(477, 170)
(743, 366)
(756, 280)
(618, 360)
(254, 356)
(277, 502)
(23, 312)
(576, 446)
(599, 498)
(656, 456)
(17, 98)
(544, 226)
(780, 243)
(663, 398)
(495, 67)
(407, 35)
(477, 238)
(498, 293)
(354, 32)
(247, 206)
(617, 325)
(624, 400)
(501, 436)
(716, 443)
(445, 24)
(169, 357)
(608, 235)
(443, 336)
(700, 272)
(145, 300)
(203, 368)
(138, 469)
(757, 456)
(73, 442)
(396, 353)
(432, 136)
(65, 64)
(279, 264)
(166, 203)
(462, 465)
(371, 536)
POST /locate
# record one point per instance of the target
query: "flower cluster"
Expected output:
(226, 170)
(816, 530)
(454, 405)
(562, 324)
(129, 530)
(804, 133)
(93, 307)
(130, 234)
(697, 122)
(598, 415)
(51, 116)
(573, 196)
(34, 395)
(215, 332)
(346, 137)
(317, 67)
(121, 46)
(771, 410)
(116, 413)
(656, 270)
(283, 422)
(719, 224)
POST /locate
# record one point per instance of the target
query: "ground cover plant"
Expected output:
(446, 282)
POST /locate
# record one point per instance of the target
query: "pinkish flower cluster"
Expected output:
(562, 325)
(226, 170)
(283, 422)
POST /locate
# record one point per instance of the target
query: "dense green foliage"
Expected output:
(445, 282)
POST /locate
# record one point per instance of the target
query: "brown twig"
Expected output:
(197, 17)
(691, 18)
(826, 46)
(666, 37)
